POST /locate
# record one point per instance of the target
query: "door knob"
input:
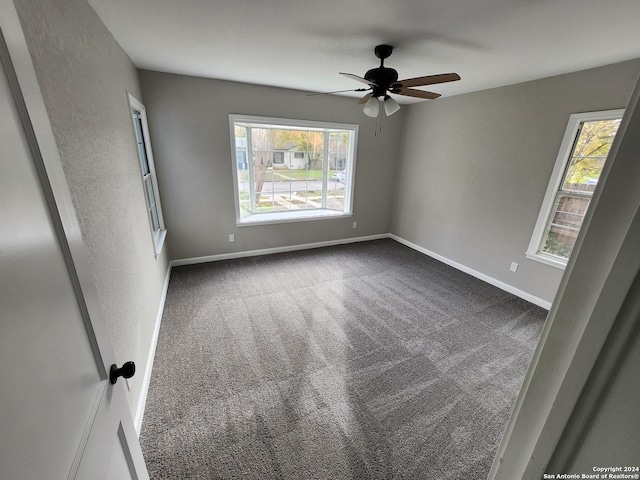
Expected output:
(127, 370)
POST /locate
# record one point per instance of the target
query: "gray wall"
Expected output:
(604, 429)
(189, 123)
(596, 312)
(84, 76)
(474, 169)
(613, 436)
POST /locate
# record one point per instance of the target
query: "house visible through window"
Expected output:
(290, 170)
(147, 169)
(582, 156)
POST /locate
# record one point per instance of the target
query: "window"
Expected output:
(147, 169)
(278, 158)
(291, 170)
(582, 156)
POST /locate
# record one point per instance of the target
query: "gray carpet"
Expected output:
(362, 361)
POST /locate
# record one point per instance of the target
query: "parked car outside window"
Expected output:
(340, 176)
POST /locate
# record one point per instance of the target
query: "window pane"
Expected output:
(155, 223)
(566, 220)
(283, 168)
(148, 188)
(287, 169)
(338, 154)
(589, 154)
(142, 152)
(242, 168)
(308, 183)
(151, 201)
(262, 145)
(264, 188)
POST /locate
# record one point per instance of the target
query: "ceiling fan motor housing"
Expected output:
(383, 78)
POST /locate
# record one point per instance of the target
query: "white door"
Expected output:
(60, 417)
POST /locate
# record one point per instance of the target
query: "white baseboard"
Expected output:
(266, 251)
(146, 380)
(485, 278)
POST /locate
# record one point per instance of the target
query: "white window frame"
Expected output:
(562, 160)
(302, 215)
(159, 234)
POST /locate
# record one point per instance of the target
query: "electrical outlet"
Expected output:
(355, 224)
(232, 238)
(514, 266)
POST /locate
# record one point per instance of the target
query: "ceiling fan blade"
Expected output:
(358, 79)
(338, 91)
(365, 99)
(428, 80)
(408, 92)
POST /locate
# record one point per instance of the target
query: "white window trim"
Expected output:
(301, 216)
(562, 159)
(159, 236)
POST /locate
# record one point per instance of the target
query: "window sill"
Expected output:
(289, 217)
(547, 260)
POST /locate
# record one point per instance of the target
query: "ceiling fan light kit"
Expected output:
(390, 106)
(372, 107)
(383, 80)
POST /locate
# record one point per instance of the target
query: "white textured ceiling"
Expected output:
(303, 45)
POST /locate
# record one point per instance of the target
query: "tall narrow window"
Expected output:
(291, 170)
(582, 156)
(147, 169)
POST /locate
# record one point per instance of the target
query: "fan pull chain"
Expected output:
(378, 127)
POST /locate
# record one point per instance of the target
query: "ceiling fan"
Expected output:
(383, 80)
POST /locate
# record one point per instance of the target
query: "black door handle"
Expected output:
(127, 370)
